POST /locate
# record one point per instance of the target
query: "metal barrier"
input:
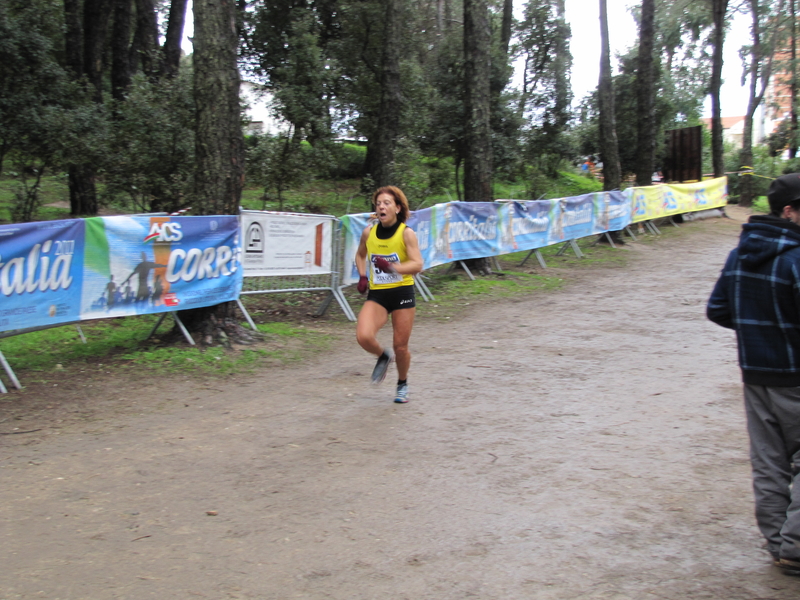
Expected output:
(325, 278)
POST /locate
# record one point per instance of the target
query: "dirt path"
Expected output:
(587, 443)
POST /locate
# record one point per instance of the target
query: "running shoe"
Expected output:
(402, 393)
(381, 367)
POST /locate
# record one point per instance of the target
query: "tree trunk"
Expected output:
(391, 99)
(145, 38)
(719, 8)
(82, 191)
(219, 141)
(120, 49)
(73, 37)
(96, 20)
(612, 177)
(171, 59)
(746, 154)
(506, 26)
(213, 325)
(561, 107)
(219, 146)
(478, 158)
(80, 179)
(645, 115)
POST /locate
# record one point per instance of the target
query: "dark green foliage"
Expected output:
(152, 153)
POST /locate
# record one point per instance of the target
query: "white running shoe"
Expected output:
(402, 393)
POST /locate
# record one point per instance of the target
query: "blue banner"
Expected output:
(41, 269)
(56, 272)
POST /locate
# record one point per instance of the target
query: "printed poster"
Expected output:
(278, 244)
(41, 273)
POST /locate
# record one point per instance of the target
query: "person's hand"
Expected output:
(384, 265)
(363, 284)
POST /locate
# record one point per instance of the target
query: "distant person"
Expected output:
(158, 290)
(111, 289)
(758, 296)
(388, 256)
(142, 271)
(588, 167)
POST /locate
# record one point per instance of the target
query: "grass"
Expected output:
(122, 343)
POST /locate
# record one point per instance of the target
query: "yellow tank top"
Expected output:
(393, 250)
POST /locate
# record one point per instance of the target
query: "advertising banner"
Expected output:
(422, 223)
(140, 265)
(41, 273)
(529, 224)
(468, 230)
(612, 212)
(462, 230)
(658, 201)
(62, 271)
(574, 219)
(286, 244)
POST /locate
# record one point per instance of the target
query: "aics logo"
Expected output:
(164, 232)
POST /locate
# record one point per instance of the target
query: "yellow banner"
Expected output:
(656, 201)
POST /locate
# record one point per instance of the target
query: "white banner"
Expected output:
(278, 244)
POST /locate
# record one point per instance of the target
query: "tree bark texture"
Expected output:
(506, 26)
(385, 138)
(171, 58)
(718, 8)
(609, 151)
(645, 92)
(120, 49)
(73, 37)
(80, 178)
(478, 156)
(145, 39)
(96, 22)
(561, 108)
(82, 191)
(219, 141)
(746, 154)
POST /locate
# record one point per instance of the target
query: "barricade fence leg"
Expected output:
(466, 269)
(345, 306)
(158, 324)
(10, 372)
(246, 315)
(323, 308)
(183, 329)
(527, 257)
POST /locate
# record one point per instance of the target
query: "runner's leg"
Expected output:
(370, 320)
(402, 322)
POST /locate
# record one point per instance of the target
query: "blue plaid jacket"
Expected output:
(758, 296)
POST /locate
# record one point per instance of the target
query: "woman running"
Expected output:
(387, 258)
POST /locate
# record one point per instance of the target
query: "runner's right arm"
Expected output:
(361, 253)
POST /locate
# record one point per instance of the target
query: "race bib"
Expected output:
(381, 278)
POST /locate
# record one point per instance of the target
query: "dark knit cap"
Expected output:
(783, 191)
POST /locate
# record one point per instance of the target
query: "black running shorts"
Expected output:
(394, 298)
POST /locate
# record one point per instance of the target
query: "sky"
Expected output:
(584, 19)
